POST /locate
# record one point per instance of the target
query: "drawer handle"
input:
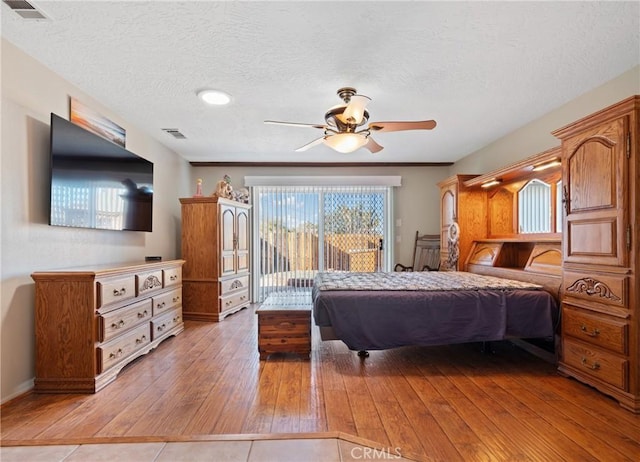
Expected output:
(594, 367)
(118, 325)
(286, 324)
(141, 340)
(173, 278)
(176, 299)
(176, 319)
(162, 327)
(160, 305)
(119, 293)
(116, 354)
(143, 314)
(593, 333)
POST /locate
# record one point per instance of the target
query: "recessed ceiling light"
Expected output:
(216, 97)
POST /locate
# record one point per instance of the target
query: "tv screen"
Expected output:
(96, 183)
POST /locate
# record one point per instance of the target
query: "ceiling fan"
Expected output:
(343, 131)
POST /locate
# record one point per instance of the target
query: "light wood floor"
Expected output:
(434, 403)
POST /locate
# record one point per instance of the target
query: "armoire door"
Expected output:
(242, 240)
(594, 187)
(227, 240)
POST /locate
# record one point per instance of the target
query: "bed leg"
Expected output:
(363, 354)
(486, 348)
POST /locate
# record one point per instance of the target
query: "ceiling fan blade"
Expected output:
(398, 126)
(354, 112)
(372, 146)
(311, 144)
(295, 124)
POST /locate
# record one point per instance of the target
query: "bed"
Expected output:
(377, 311)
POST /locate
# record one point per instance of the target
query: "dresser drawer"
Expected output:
(165, 323)
(111, 353)
(148, 282)
(233, 284)
(115, 290)
(116, 322)
(597, 330)
(231, 301)
(597, 363)
(172, 276)
(166, 301)
(288, 323)
(599, 288)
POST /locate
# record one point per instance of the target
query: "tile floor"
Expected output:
(279, 450)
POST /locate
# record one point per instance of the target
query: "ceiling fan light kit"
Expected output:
(214, 97)
(342, 122)
(345, 142)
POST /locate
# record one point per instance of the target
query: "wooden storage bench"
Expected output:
(284, 327)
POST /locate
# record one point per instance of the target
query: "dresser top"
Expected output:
(91, 271)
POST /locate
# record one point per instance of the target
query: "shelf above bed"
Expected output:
(518, 171)
(538, 261)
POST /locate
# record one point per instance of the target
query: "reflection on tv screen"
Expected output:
(96, 183)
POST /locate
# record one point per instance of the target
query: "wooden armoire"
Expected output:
(601, 233)
(215, 245)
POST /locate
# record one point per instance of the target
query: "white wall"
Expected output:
(416, 202)
(536, 136)
(30, 92)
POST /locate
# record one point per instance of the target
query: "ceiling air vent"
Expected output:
(175, 133)
(25, 9)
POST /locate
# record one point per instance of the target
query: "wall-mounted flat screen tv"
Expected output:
(96, 183)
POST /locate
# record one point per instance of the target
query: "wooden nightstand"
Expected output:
(284, 328)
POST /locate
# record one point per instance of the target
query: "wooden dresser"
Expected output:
(91, 322)
(601, 234)
(215, 245)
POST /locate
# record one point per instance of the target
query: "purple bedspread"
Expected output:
(379, 319)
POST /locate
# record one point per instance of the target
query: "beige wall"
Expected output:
(536, 136)
(30, 92)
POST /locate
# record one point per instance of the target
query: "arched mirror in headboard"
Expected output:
(534, 207)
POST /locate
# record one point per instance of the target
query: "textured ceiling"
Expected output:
(481, 69)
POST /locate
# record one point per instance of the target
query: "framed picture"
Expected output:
(90, 120)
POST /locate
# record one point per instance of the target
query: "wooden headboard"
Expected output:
(502, 250)
(538, 261)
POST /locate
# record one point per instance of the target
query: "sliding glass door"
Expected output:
(353, 234)
(300, 230)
